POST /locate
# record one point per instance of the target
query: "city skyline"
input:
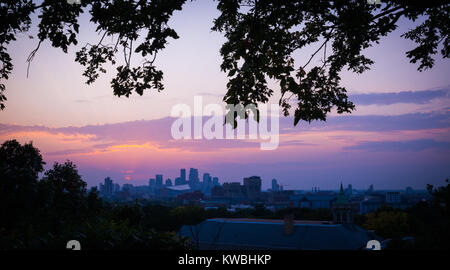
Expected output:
(249, 194)
(267, 184)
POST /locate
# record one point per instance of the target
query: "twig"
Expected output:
(131, 49)
(31, 56)
(314, 54)
(100, 42)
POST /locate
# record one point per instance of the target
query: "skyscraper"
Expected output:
(116, 188)
(206, 178)
(193, 176)
(207, 183)
(183, 176)
(152, 182)
(159, 180)
(275, 186)
(216, 181)
(108, 186)
(252, 186)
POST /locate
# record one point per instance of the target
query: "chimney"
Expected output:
(289, 224)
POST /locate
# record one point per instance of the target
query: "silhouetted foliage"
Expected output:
(388, 224)
(188, 215)
(46, 213)
(441, 196)
(261, 38)
(19, 169)
(263, 35)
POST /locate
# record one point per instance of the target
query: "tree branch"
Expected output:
(31, 56)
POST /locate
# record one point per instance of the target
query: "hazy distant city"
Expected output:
(209, 192)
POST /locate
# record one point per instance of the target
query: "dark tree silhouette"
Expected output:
(63, 194)
(261, 38)
(441, 196)
(19, 169)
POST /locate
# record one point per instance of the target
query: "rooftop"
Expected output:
(266, 234)
(179, 187)
(275, 221)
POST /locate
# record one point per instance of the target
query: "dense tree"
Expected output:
(432, 220)
(189, 215)
(159, 217)
(19, 169)
(261, 38)
(441, 196)
(388, 224)
(62, 195)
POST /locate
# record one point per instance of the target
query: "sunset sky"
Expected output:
(399, 135)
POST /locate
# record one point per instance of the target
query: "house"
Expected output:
(317, 201)
(263, 234)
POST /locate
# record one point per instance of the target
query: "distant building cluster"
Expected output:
(182, 188)
(188, 188)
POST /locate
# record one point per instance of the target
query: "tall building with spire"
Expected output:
(342, 209)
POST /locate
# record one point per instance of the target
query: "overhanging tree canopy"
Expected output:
(261, 38)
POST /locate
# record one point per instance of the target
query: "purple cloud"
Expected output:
(414, 97)
(400, 146)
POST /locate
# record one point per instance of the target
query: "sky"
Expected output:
(397, 137)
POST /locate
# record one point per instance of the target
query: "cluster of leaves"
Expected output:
(263, 36)
(14, 18)
(46, 213)
(126, 21)
(122, 20)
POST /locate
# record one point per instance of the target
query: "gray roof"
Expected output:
(180, 187)
(259, 234)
